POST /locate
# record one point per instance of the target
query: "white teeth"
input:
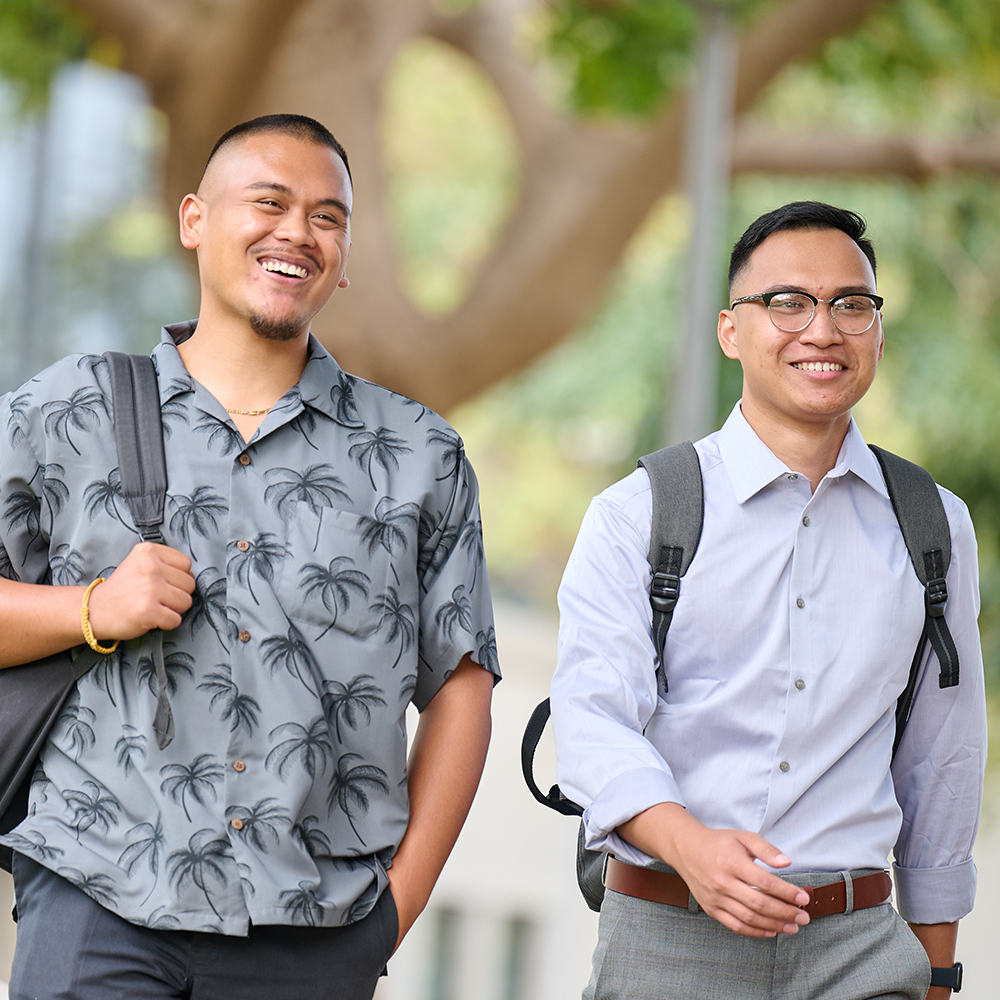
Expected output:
(818, 366)
(283, 268)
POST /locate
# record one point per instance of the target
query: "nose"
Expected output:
(294, 228)
(821, 329)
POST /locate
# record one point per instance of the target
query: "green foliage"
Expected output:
(907, 43)
(36, 38)
(624, 56)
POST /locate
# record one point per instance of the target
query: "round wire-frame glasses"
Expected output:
(792, 312)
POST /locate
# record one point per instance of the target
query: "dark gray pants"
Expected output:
(652, 951)
(71, 948)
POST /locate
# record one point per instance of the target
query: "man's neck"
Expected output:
(808, 448)
(245, 372)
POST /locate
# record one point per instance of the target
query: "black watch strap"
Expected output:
(948, 977)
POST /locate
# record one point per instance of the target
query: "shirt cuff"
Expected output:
(935, 895)
(625, 796)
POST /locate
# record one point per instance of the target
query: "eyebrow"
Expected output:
(784, 286)
(282, 189)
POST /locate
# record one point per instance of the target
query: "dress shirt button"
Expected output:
(800, 684)
(799, 603)
(244, 459)
(792, 476)
(244, 636)
(239, 765)
(242, 545)
(784, 765)
(237, 824)
(805, 521)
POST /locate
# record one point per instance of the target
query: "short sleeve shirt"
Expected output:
(340, 576)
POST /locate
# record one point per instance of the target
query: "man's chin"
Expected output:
(279, 330)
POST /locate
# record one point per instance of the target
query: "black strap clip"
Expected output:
(936, 597)
(664, 591)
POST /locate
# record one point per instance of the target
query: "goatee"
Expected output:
(274, 329)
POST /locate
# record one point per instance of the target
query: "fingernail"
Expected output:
(770, 934)
(802, 919)
(782, 859)
(802, 898)
(790, 929)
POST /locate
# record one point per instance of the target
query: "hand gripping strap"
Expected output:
(142, 467)
(678, 514)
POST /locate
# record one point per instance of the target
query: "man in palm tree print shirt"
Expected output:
(323, 569)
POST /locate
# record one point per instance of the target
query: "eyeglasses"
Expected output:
(793, 311)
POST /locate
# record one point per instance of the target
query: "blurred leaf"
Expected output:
(36, 38)
(624, 56)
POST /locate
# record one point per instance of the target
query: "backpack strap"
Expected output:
(678, 514)
(142, 467)
(924, 525)
(529, 743)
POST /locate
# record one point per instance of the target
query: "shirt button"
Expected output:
(784, 765)
(792, 476)
(800, 684)
(237, 823)
(242, 545)
(244, 459)
(244, 636)
(805, 521)
(799, 603)
(239, 765)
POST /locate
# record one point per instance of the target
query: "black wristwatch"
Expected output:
(948, 977)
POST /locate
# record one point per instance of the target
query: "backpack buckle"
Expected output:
(936, 597)
(664, 591)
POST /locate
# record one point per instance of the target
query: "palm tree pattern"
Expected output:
(337, 578)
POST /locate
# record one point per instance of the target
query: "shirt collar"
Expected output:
(751, 465)
(313, 388)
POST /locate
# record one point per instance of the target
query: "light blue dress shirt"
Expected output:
(790, 643)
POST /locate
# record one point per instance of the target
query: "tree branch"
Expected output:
(769, 150)
(486, 34)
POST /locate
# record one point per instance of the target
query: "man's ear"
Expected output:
(727, 334)
(192, 213)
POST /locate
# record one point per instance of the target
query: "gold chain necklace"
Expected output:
(249, 413)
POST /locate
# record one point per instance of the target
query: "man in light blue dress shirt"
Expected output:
(770, 750)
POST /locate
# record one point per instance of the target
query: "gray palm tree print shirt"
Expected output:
(340, 576)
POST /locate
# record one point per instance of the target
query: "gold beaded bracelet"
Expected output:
(88, 632)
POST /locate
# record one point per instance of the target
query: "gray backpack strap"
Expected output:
(142, 467)
(924, 525)
(678, 513)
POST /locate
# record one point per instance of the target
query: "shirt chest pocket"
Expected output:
(337, 578)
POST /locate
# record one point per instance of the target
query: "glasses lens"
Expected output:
(790, 312)
(853, 313)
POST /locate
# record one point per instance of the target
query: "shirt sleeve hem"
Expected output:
(622, 798)
(935, 895)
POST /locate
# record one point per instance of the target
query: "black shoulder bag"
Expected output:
(32, 696)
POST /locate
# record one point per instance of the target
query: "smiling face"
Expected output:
(813, 377)
(271, 224)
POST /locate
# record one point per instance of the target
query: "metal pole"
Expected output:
(32, 312)
(708, 148)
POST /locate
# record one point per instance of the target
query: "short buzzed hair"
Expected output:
(799, 215)
(297, 126)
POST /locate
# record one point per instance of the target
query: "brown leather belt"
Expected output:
(666, 887)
